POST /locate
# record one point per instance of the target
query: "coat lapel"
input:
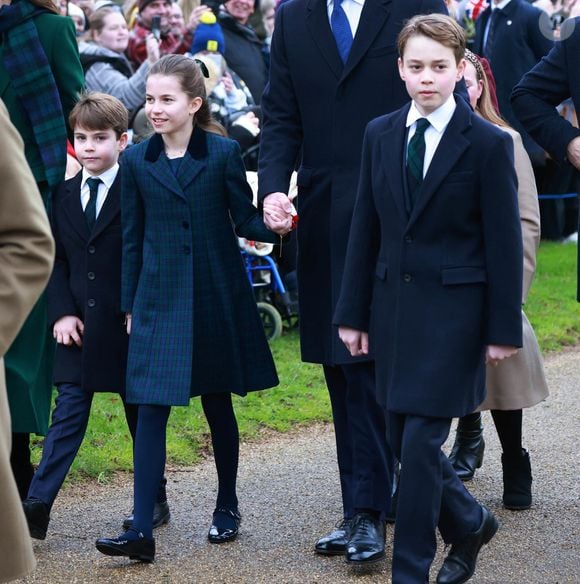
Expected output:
(111, 208)
(452, 146)
(195, 163)
(73, 208)
(319, 27)
(392, 158)
(372, 19)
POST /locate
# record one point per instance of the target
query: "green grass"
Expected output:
(301, 397)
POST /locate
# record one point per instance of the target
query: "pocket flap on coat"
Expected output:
(463, 275)
(381, 270)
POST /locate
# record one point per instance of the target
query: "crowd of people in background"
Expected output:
(231, 75)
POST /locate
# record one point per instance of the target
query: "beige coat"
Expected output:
(26, 257)
(520, 382)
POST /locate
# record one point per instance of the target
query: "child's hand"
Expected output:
(357, 342)
(128, 322)
(278, 212)
(496, 353)
(68, 330)
(228, 83)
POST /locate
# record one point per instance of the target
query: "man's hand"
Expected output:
(496, 353)
(68, 330)
(193, 22)
(278, 211)
(357, 342)
(128, 320)
(574, 152)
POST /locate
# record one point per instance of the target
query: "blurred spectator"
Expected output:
(106, 67)
(176, 22)
(245, 53)
(268, 10)
(78, 17)
(169, 42)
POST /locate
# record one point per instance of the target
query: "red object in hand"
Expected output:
(294, 222)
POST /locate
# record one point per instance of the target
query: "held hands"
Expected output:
(496, 353)
(357, 342)
(574, 152)
(68, 330)
(278, 213)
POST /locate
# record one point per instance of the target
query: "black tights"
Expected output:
(22, 468)
(508, 424)
(223, 425)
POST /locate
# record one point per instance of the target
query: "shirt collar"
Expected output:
(438, 119)
(360, 2)
(501, 5)
(108, 177)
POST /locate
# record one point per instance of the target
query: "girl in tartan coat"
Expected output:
(191, 314)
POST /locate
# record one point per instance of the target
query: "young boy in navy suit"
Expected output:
(432, 288)
(84, 297)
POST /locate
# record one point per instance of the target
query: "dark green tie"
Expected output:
(415, 159)
(91, 208)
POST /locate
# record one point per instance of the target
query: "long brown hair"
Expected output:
(46, 4)
(191, 80)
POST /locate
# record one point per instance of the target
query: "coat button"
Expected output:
(91, 303)
(408, 239)
(91, 249)
(407, 278)
(186, 249)
(185, 225)
(91, 275)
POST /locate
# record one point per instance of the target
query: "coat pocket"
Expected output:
(463, 275)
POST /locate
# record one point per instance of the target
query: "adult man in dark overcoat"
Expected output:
(554, 79)
(316, 107)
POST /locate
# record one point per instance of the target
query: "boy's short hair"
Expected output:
(438, 27)
(99, 111)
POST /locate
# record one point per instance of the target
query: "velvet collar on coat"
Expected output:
(197, 146)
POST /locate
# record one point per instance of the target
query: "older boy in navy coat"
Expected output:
(84, 297)
(432, 288)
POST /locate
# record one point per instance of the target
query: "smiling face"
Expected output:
(114, 35)
(168, 108)
(98, 150)
(430, 72)
(241, 10)
(160, 8)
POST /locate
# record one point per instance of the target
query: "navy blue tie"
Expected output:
(341, 30)
(91, 208)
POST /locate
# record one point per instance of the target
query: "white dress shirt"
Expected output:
(352, 8)
(438, 120)
(107, 180)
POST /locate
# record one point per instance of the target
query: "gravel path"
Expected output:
(289, 495)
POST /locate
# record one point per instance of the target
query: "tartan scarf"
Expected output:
(34, 84)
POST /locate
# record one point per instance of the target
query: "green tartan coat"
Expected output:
(29, 359)
(195, 326)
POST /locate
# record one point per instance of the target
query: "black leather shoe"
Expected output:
(161, 516)
(334, 543)
(220, 534)
(37, 517)
(459, 564)
(517, 481)
(467, 452)
(142, 549)
(366, 544)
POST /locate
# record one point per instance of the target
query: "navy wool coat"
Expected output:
(315, 111)
(534, 100)
(195, 328)
(86, 282)
(434, 288)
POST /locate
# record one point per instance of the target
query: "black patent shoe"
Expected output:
(37, 517)
(161, 516)
(459, 565)
(142, 549)
(220, 534)
(334, 543)
(467, 452)
(366, 544)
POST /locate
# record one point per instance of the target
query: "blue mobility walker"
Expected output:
(273, 300)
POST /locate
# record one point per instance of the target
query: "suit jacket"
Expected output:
(196, 327)
(315, 112)
(86, 282)
(435, 288)
(519, 44)
(26, 256)
(549, 83)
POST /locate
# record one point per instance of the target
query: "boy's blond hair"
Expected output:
(438, 27)
(99, 111)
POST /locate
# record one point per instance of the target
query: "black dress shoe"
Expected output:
(142, 549)
(161, 516)
(334, 543)
(37, 517)
(222, 534)
(459, 564)
(467, 452)
(366, 544)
